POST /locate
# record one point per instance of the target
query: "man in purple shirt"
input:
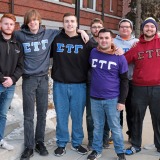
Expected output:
(109, 88)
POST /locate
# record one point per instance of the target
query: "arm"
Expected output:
(84, 35)
(123, 87)
(17, 73)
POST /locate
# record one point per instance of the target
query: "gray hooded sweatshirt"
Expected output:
(126, 45)
(36, 49)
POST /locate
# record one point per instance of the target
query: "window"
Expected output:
(111, 9)
(81, 2)
(91, 4)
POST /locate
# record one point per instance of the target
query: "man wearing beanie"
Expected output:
(146, 83)
(125, 40)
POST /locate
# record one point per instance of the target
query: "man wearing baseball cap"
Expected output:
(146, 83)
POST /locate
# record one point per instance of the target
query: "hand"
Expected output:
(134, 44)
(119, 51)
(120, 107)
(8, 82)
(84, 35)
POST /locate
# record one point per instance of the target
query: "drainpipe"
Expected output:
(77, 10)
(12, 6)
(103, 10)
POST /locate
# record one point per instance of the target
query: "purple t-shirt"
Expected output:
(106, 68)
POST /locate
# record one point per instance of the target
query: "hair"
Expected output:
(96, 20)
(32, 13)
(8, 15)
(69, 14)
(104, 30)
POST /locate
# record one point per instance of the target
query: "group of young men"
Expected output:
(27, 52)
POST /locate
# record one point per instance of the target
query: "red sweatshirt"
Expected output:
(146, 58)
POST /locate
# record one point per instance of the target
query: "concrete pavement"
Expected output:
(108, 154)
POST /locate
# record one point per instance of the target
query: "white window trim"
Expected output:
(110, 8)
(94, 6)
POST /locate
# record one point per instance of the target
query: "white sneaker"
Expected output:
(5, 145)
(150, 146)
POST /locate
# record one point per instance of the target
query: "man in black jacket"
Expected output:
(11, 68)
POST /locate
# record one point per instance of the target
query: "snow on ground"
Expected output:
(16, 114)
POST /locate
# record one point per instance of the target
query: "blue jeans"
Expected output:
(89, 121)
(6, 95)
(34, 89)
(69, 99)
(109, 107)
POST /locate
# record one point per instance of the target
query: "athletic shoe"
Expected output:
(94, 155)
(5, 145)
(79, 149)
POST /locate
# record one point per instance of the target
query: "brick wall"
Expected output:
(54, 11)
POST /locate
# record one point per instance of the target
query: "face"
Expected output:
(125, 29)
(34, 25)
(149, 30)
(105, 40)
(95, 29)
(70, 24)
(7, 26)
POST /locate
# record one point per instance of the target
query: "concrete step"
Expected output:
(10, 126)
(16, 139)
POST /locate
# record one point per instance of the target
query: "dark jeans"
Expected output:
(34, 89)
(141, 98)
(129, 113)
(89, 120)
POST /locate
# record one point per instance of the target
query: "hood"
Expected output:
(25, 29)
(142, 40)
(119, 37)
(11, 40)
(66, 36)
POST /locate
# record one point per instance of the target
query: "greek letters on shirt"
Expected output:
(149, 53)
(103, 64)
(35, 46)
(71, 48)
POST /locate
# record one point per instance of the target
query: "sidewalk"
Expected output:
(108, 154)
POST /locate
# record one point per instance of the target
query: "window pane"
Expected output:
(90, 4)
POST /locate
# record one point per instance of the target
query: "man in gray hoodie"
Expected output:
(36, 43)
(125, 40)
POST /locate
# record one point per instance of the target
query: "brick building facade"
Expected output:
(52, 11)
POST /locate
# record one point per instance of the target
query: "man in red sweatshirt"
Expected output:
(146, 83)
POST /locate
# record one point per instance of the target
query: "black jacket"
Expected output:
(11, 59)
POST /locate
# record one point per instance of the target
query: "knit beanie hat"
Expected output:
(126, 20)
(149, 20)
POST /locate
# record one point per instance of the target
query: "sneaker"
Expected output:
(121, 156)
(158, 150)
(111, 140)
(60, 151)
(79, 149)
(106, 144)
(94, 155)
(132, 150)
(5, 145)
(41, 149)
(27, 153)
(150, 146)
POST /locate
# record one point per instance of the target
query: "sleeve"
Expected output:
(130, 55)
(123, 87)
(90, 45)
(1, 78)
(123, 75)
(20, 65)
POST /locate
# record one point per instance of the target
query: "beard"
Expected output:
(6, 33)
(150, 36)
